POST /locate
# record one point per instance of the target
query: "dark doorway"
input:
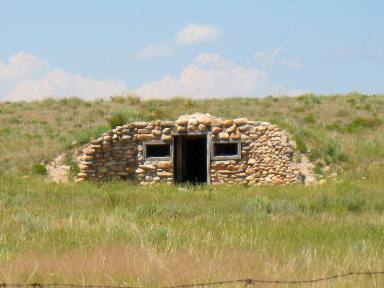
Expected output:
(190, 159)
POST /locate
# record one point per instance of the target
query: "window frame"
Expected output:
(226, 157)
(157, 142)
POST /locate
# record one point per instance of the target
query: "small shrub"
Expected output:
(14, 120)
(300, 144)
(321, 203)
(343, 113)
(300, 109)
(189, 103)
(158, 236)
(310, 119)
(145, 210)
(39, 169)
(133, 100)
(359, 123)
(172, 210)
(318, 169)
(83, 137)
(118, 99)
(367, 107)
(351, 101)
(334, 126)
(5, 131)
(122, 117)
(330, 151)
(73, 165)
(352, 201)
(259, 204)
(283, 206)
(316, 99)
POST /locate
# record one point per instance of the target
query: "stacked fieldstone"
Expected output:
(266, 152)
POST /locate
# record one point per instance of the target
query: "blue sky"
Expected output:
(194, 48)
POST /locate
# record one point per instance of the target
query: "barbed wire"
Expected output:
(246, 282)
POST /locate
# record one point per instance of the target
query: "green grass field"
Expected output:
(119, 233)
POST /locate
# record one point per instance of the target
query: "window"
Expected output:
(226, 150)
(157, 150)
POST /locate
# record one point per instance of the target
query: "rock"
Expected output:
(102, 170)
(164, 174)
(89, 151)
(140, 124)
(231, 129)
(157, 132)
(182, 121)
(277, 180)
(205, 121)
(181, 129)
(227, 122)
(235, 136)
(94, 146)
(228, 172)
(223, 135)
(216, 122)
(86, 157)
(164, 164)
(245, 138)
(240, 121)
(216, 130)
(145, 137)
(143, 131)
(166, 138)
(193, 122)
(167, 124)
(246, 128)
(139, 171)
(202, 127)
(147, 167)
(83, 166)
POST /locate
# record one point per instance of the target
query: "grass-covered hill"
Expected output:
(345, 131)
(120, 233)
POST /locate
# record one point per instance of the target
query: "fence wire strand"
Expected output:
(246, 282)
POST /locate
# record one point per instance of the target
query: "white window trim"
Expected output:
(229, 157)
(157, 142)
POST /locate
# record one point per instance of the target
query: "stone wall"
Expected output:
(266, 152)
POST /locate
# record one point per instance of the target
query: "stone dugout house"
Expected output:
(196, 148)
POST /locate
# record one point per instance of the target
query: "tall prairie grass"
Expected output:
(119, 233)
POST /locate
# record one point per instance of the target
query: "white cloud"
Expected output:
(22, 66)
(190, 34)
(28, 77)
(158, 49)
(194, 33)
(58, 83)
(211, 76)
(275, 56)
(212, 60)
(267, 58)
